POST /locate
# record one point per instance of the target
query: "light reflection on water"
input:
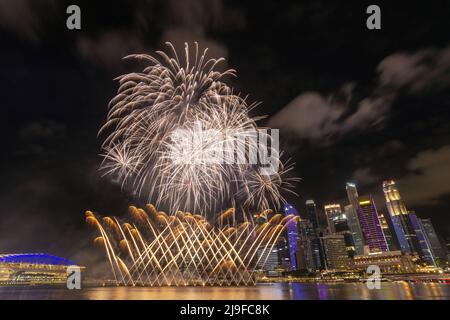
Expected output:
(277, 291)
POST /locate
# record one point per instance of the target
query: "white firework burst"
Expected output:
(154, 147)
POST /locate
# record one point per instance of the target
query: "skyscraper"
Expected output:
(386, 226)
(284, 254)
(438, 251)
(268, 261)
(401, 222)
(352, 217)
(332, 212)
(305, 257)
(335, 252)
(317, 252)
(407, 227)
(352, 194)
(424, 247)
(311, 212)
(370, 225)
(341, 227)
(293, 236)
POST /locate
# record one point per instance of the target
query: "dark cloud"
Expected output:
(42, 130)
(26, 17)
(323, 119)
(428, 177)
(416, 71)
(192, 21)
(180, 22)
(320, 118)
(107, 49)
(364, 177)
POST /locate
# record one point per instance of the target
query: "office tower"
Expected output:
(352, 217)
(268, 260)
(400, 217)
(438, 251)
(424, 247)
(305, 256)
(370, 225)
(293, 236)
(311, 212)
(352, 194)
(387, 227)
(284, 258)
(317, 253)
(318, 256)
(335, 252)
(341, 227)
(355, 229)
(406, 225)
(332, 211)
(447, 246)
(340, 224)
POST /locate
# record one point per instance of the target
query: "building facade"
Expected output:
(311, 213)
(332, 212)
(33, 269)
(293, 237)
(370, 225)
(352, 217)
(387, 227)
(408, 229)
(389, 262)
(438, 251)
(336, 256)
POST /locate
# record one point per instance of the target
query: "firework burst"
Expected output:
(168, 121)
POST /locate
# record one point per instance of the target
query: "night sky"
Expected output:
(353, 104)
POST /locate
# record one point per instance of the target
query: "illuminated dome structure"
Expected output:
(35, 258)
(33, 268)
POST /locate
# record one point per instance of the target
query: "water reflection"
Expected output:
(277, 291)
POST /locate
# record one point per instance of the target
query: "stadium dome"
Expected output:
(35, 258)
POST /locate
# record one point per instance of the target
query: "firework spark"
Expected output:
(156, 249)
(144, 151)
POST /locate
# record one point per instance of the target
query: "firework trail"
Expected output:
(157, 139)
(155, 249)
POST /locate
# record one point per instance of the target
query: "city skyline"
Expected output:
(213, 143)
(396, 239)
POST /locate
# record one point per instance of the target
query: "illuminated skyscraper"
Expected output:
(341, 227)
(424, 247)
(386, 225)
(293, 236)
(311, 212)
(370, 225)
(401, 219)
(438, 251)
(305, 257)
(284, 254)
(332, 212)
(352, 217)
(269, 260)
(335, 252)
(410, 232)
(352, 194)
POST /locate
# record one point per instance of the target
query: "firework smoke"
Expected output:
(145, 152)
